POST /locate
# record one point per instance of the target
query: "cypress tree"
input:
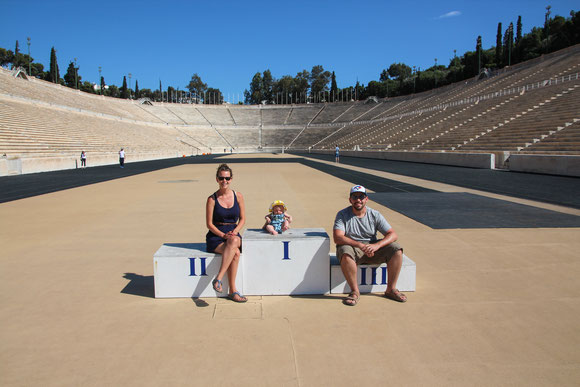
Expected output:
(498, 46)
(478, 53)
(136, 89)
(54, 74)
(333, 87)
(124, 94)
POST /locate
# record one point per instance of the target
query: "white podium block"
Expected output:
(372, 278)
(294, 262)
(186, 270)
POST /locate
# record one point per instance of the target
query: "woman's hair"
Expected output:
(224, 167)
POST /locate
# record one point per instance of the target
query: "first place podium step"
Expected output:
(294, 262)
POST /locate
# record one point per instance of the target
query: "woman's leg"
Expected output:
(228, 250)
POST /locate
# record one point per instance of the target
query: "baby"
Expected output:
(278, 219)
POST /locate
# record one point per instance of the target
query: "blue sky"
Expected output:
(227, 42)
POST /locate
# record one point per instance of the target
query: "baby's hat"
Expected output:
(278, 203)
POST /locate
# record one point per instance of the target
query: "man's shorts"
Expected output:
(382, 255)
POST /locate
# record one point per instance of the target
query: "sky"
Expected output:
(227, 42)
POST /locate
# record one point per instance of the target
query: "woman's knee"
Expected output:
(234, 241)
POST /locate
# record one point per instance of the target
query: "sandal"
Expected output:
(396, 295)
(217, 285)
(352, 299)
(240, 299)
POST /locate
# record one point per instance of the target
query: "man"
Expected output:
(355, 234)
(337, 154)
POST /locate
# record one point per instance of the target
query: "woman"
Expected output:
(225, 216)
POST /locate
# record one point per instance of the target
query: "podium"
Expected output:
(294, 262)
(372, 278)
(186, 270)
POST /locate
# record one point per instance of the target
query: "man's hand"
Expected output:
(369, 250)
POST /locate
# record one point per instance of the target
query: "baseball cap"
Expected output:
(358, 188)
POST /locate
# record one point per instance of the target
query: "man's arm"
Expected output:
(341, 239)
(369, 249)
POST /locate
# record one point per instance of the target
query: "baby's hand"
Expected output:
(268, 220)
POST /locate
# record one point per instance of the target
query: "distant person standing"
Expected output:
(337, 154)
(83, 159)
(122, 158)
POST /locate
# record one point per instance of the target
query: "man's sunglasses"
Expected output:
(359, 196)
(228, 178)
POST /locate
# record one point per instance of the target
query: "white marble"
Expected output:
(294, 262)
(372, 278)
(186, 270)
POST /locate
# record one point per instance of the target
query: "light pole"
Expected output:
(29, 58)
(100, 82)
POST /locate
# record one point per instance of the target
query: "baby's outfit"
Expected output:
(276, 220)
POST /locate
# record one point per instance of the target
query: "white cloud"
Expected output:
(449, 14)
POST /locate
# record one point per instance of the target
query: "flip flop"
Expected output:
(352, 299)
(241, 299)
(217, 285)
(396, 295)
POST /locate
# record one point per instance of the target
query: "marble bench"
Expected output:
(296, 262)
(372, 278)
(186, 270)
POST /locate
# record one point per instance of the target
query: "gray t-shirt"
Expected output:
(361, 229)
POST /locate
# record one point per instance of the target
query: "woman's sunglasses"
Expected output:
(228, 178)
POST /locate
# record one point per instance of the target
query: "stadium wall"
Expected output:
(549, 164)
(471, 160)
(18, 166)
(565, 165)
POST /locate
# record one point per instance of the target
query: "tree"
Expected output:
(102, 86)
(53, 72)
(214, 96)
(171, 95)
(319, 79)
(301, 85)
(508, 39)
(113, 91)
(70, 76)
(196, 86)
(399, 71)
(478, 53)
(146, 93)
(6, 56)
(267, 84)
(87, 87)
(284, 90)
(16, 49)
(498, 46)
(333, 87)
(124, 92)
(136, 89)
(254, 95)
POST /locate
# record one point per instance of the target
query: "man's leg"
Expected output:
(349, 270)
(393, 270)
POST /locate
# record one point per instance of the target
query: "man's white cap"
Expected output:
(358, 188)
